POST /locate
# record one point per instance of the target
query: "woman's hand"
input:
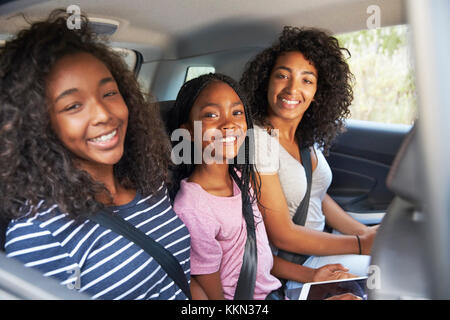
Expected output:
(367, 239)
(331, 272)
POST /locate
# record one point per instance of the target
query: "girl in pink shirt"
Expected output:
(213, 183)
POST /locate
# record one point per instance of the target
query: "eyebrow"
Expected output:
(72, 90)
(65, 93)
(210, 104)
(290, 70)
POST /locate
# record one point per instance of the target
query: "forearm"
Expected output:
(197, 291)
(338, 219)
(210, 284)
(303, 240)
(284, 234)
(290, 271)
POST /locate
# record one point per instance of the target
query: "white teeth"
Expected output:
(105, 137)
(227, 139)
(290, 101)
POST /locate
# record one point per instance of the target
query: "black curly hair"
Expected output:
(323, 120)
(34, 164)
(180, 115)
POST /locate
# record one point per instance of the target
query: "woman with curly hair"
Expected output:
(300, 92)
(77, 137)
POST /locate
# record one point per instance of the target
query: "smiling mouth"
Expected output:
(104, 138)
(290, 102)
(229, 139)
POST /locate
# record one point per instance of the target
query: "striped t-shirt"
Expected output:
(97, 261)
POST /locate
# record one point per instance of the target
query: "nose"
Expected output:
(294, 85)
(228, 124)
(100, 113)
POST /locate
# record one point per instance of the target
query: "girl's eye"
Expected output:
(281, 76)
(308, 81)
(110, 94)
(210, 115)
(238, 112)
(72, 107)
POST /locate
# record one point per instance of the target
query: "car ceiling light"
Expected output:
(103, 26)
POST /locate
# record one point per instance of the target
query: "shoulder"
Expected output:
(321, 167)
(32, 234)
(314, 157)
(34, 217)
(189, 198)
(160, 196)
(261, 132)
(193, 205)
(317, 153)
(267, 150)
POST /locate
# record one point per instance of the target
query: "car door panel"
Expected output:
(360, 160)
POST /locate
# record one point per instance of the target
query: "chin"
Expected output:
(290, 114)
(110, 160)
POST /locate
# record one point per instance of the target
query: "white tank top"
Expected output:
(272, 158)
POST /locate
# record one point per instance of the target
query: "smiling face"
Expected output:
(292, 86)
(87, 111)
(222, 116)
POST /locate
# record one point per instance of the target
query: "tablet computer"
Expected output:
(326, 289)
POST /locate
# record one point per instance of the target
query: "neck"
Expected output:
(105, 175)
(212, 176)
(287, 128)
(212, 171)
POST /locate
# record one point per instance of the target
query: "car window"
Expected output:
(129, 56)
(384, 88)
(196, 71)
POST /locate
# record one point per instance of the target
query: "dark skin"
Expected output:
(218, 107)
(292, 87)
(90, 117)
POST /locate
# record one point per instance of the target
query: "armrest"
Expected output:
(368, 218)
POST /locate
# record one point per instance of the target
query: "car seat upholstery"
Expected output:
(399, 254)
(165, 108)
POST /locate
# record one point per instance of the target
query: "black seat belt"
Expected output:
(245, 287)
(165, 259)
(302, 211)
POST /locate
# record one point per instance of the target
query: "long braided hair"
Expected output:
(246, 179)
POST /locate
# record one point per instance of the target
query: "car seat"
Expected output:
(399, 254)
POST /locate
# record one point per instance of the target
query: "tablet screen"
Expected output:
(324, 290)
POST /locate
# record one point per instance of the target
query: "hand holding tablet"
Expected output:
(333, 289)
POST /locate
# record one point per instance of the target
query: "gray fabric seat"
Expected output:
(165, 107)
(399, 254)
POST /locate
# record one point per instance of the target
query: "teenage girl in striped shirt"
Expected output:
(77, 136)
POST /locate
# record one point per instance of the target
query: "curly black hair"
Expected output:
(323, 120)
(180, 115)
(34, 164)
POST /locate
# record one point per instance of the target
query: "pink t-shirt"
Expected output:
(218, 235)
